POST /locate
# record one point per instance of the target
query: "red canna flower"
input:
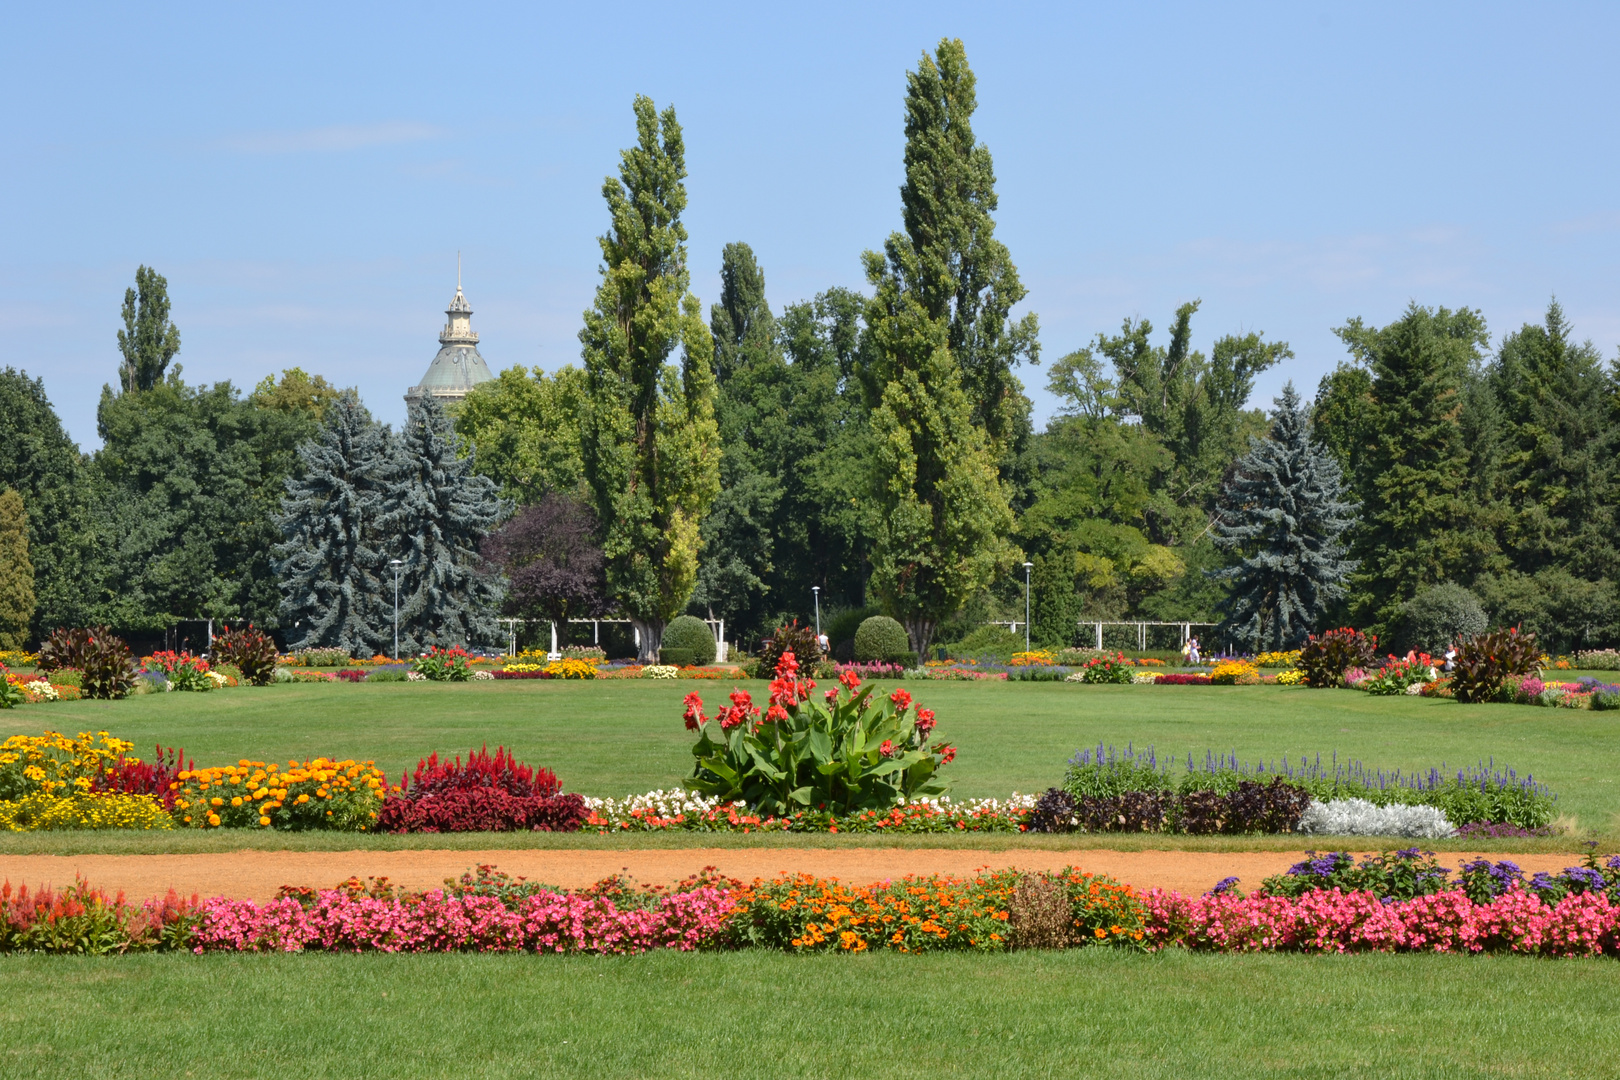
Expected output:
(901, 699)
(850, 680)
(925, 721)
(887, 749)
(947, 754)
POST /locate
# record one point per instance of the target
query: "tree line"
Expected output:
(878, 446)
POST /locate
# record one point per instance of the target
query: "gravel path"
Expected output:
(258, 874)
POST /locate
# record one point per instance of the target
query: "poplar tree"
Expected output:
(336, 591)
(1283, 513)
(649, 442)
(964, 276)
(436, 512)
(148, 340)
(16, 573)
(937, 371)
(942, 513)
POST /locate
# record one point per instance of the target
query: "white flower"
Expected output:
(483, 675)
(1358, 817)
(415, 676)
(660, 671)
(42, 690)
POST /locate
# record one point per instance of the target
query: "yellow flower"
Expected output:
(263, 820)
(213, 819)
(237, 801)
(216, 801)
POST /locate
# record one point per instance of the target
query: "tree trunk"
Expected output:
(651, 633)
(921, 633)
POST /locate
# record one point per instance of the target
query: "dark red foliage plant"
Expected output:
(133, 777)
(486, 794)
(1325, 657)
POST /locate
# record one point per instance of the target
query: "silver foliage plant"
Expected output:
(1358, 817)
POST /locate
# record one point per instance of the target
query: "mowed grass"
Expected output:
(744, 1015)
(618, 737)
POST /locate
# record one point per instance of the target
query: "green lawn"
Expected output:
(1078, 1013)
(618, 737)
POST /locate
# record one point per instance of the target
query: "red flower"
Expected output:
(850, 679)
(901, 699)
(947, 754)
(740, 698)
(887, 749)
(925, 720)
(788, 666)
(776, 714)
(831, 696)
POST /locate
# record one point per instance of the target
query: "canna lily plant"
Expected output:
(844, 752)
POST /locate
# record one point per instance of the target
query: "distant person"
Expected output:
(1192, 651)
(821, 643)
(1451, 659)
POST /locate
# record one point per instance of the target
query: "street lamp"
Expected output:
(1026, 605)
(396, 564)
(816, 591)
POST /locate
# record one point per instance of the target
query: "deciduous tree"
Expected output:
(650, 446)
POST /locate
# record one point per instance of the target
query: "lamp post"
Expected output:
(815, 590)
(1026, 605)
(396, 564)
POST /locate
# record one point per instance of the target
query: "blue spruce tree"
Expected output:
(329, 566)
(436, 512)
(1283, 514)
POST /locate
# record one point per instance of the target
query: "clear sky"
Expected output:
(304, 175)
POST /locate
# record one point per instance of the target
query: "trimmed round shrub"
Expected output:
(688, 637)
(1440, 615)
(881, 638)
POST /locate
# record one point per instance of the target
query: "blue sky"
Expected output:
(304, 176)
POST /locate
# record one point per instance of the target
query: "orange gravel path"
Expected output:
(258, 874)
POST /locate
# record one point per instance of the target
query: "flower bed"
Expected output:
(684, 811)
(1180, 678)
(1329, 903)
(316, 794)
(1140, 792)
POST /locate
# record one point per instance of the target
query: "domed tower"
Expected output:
(458, 367)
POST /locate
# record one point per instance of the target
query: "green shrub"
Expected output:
(840, 626)
(881, 638)
(386, 675)
(321, 657)
(1486, 662)
(996, 642)
(67, 677)
(677, 657)
(690, 634)
(1438, 616)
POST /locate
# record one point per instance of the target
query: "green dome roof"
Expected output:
(458, 367)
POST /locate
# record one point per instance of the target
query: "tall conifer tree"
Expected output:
(16, 573)
(436, 511)
(336, 591)
(650, 446)
(1416, 526)
(1283, 513)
